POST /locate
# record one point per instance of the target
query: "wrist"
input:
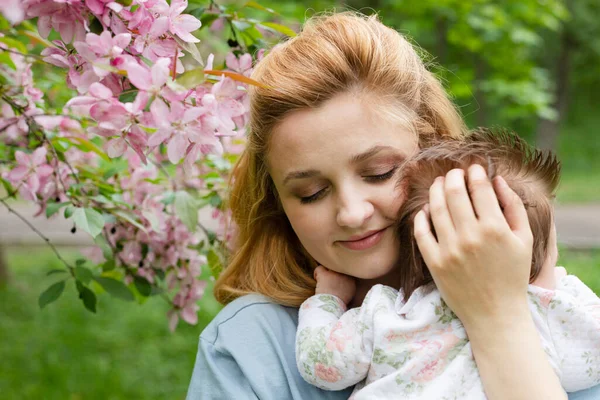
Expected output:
(500, 325)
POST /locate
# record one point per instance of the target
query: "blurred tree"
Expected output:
(576, 46)
(487, 50)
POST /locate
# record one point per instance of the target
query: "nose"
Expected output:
(354, 211)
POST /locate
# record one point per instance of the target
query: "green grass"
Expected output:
(584, 264)
(125, 351)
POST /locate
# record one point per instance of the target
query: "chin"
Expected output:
(375, 273)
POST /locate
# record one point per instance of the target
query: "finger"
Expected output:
(438, 209)
(485, 202)
(514, 210)
(425, 239)
(319, 269)
(459, 202)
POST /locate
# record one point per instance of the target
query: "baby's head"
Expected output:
(533, 174)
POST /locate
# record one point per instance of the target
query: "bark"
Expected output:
(548, 130)
(480, 71)
(441, 31)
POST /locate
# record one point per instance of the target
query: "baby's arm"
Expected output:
(334, 347)
(574, 322)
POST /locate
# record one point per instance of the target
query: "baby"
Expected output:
(406, 343)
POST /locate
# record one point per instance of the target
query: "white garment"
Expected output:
(418, 349)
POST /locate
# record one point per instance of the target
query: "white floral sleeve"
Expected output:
(574, 323)
(334, 347)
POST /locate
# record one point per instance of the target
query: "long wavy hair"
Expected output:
(334, 54)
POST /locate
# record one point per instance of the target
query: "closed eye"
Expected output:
(381, 177)
(313, 197)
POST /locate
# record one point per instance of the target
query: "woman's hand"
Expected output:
(331, 282)
(480, 255)
(480, 262)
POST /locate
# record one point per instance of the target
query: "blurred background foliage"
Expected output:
(531, 65)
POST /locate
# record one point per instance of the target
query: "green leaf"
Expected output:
(186, 208)
(69, 211)
(51, 294)
(254, 4)
(131, 218)
(191, 78)
(115, 288)
(52, 208)
(208, 19)
(89, 220)
(88, 146)
(128, 96)
(87, 296)
(214, 263)
(279, 28)
(168, 198)
(7, 61)
(7, 186)
(56, 271)
(83, 274)
(142, 285)
(15, 44)
(103, 244)
(109, 265)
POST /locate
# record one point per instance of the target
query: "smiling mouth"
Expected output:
(364, 242)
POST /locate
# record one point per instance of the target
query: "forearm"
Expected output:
(511, 360)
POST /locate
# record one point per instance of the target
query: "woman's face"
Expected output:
(335, 169)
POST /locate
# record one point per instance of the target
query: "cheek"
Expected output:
(306, 221)
(391, 199)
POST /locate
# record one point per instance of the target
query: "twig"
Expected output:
(39, 58)
(40, 234)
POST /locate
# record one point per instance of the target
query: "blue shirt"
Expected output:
(248, 352)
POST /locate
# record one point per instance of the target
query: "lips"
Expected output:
(364, 241)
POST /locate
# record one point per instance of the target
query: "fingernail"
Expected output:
(457, 171)
(501, 182)
(478, 172)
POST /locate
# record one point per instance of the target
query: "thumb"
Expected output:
(513, 209)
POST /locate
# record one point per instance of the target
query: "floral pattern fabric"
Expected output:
(418, 349)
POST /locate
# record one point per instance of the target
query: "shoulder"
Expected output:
(250, 318)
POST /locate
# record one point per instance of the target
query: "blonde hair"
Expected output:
(334, 54)
(533, 174)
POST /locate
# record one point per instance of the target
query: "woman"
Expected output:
(348, 101)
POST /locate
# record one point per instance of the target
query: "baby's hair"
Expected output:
(533, 174)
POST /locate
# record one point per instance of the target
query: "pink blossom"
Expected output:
(13, 10)
(243, 64)
(101, 49)
(64, 16)
(182, 24)
(30, 171)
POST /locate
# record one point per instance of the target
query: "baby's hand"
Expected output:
(331, 282)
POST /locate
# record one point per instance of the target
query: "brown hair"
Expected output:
(334, 54)
(533, 174)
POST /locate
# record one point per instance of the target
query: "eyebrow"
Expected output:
(368, 154)
(358, 158)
